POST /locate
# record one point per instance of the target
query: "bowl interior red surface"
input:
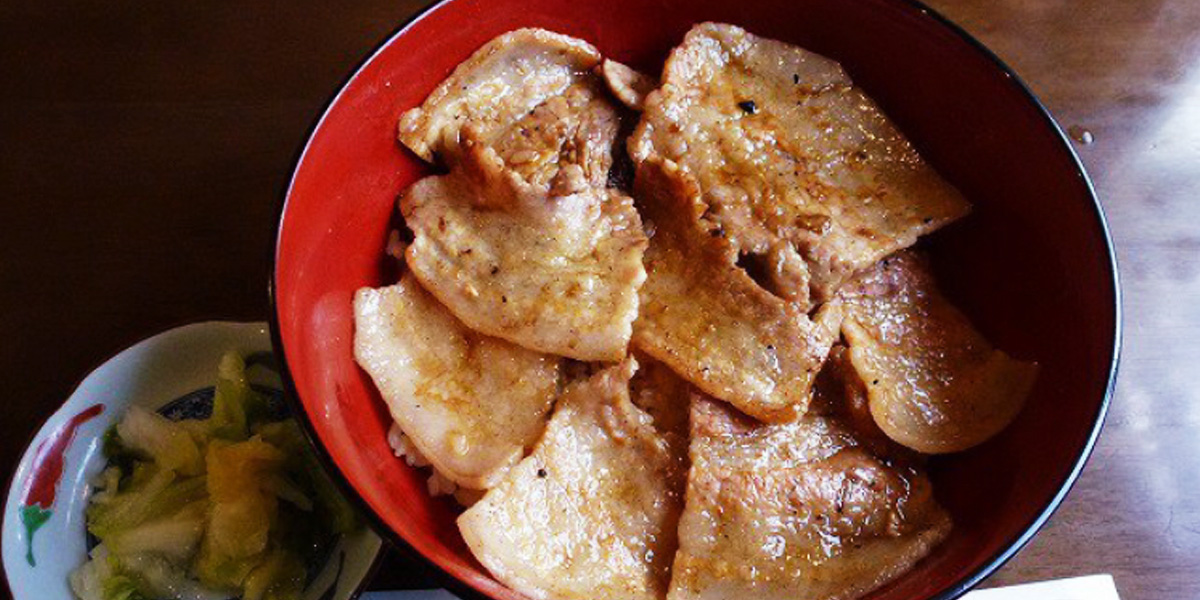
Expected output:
(1031, 265)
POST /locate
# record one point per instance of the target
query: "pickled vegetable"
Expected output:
(231, 505)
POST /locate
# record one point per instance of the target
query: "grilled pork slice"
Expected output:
(589, 515)
(556, 273)
(664, 395)
(800, 510)
(628, 85)
(522, 240)
(934, 384)
(471, 404)
(499, 85)
(571, 135)
(796, 167)
(706, 318)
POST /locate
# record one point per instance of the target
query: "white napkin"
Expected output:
(1094, 587)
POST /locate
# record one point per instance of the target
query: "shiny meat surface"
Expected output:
(797, 167)
(498, 85)
(840, 393)
(556, 271)
(522, 240)
(705, 318)
(628, 85)
(795, 511)
(665, 396)
(934, 383)
(574, 131)
(471, 404)
(589, 514)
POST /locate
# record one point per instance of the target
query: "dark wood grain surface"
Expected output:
(144, 146)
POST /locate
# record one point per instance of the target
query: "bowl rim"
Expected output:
(463, 589)
(180, 330)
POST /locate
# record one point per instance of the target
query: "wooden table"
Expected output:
(143, 147)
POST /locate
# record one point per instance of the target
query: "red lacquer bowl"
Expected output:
(1033, 265)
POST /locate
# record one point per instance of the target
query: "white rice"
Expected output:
(438, 484)
(403, 447)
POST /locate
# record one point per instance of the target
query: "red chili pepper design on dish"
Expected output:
(42, 486)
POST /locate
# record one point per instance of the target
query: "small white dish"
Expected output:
(44, 532)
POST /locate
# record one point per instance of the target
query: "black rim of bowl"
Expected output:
(465, 590)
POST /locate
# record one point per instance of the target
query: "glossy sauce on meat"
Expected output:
(522, 239)
(470, 403)
(796, 166)
(799, 510)
(590, 514)
(705, 318)
(934, 383)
